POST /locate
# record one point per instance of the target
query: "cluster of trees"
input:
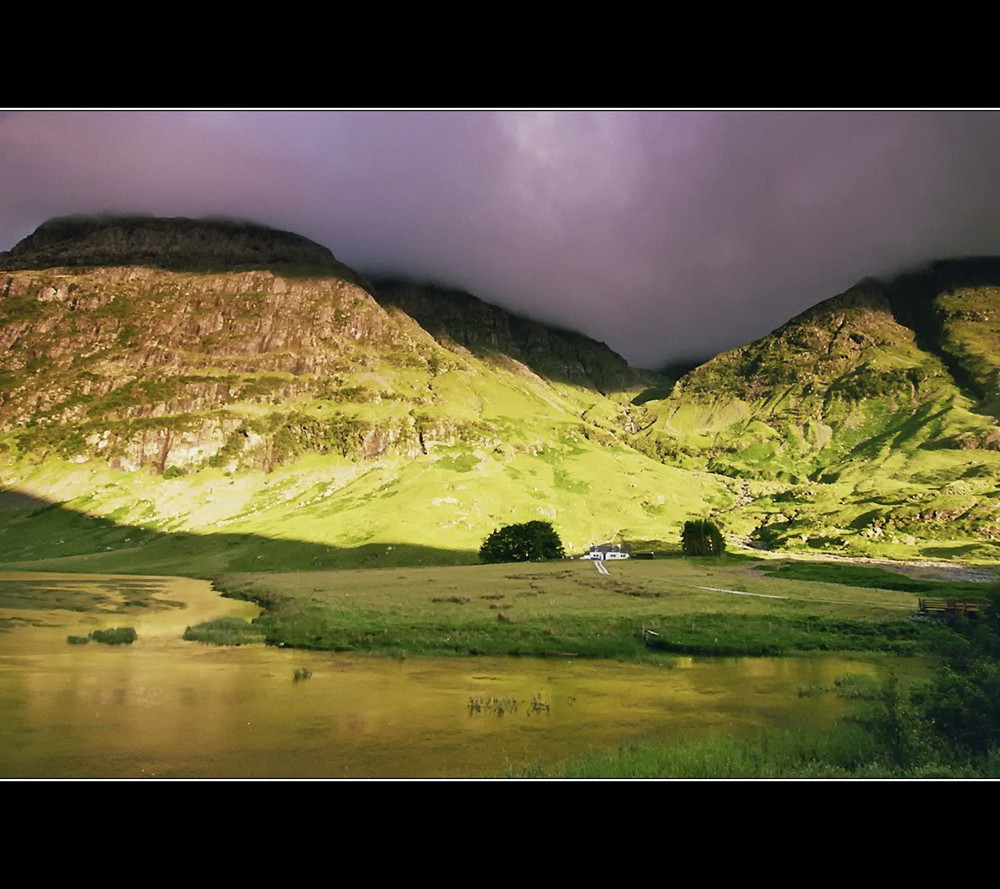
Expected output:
(702, 537)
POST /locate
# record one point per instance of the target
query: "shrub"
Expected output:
(115, 636)
(963, 706)
(702, 537)
(529, 541)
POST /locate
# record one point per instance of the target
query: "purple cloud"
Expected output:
(667, 234)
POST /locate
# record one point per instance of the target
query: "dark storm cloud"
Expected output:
(667, 234)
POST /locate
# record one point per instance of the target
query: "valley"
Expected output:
(222, 381)
(207, 399)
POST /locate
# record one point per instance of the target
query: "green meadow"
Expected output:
(324, 512)
(645, 610)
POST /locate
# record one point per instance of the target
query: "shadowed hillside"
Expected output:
(43, 536)
(458, 319)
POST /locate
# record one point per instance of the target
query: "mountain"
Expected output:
(223, 392)
(865, 425)
(216, 378)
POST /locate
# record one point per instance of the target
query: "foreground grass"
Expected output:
(644, 611)
(890, 733)
(847, 751)
(944, 728)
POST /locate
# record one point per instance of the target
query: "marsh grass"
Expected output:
(225, 631)
(757, 635)
(81, 594)
(858, 685)
(887, 734)
(865, 745)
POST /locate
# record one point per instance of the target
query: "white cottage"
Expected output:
(606, 552)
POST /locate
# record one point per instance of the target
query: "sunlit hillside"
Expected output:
(854, 432)
(176, 386)
(288, 403)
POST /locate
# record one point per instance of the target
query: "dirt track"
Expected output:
(919, 569)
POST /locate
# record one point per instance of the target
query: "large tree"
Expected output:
(528, 541)
(702, 537)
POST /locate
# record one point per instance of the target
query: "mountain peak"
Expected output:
(172, 243)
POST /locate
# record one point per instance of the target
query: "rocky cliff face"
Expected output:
(121, 343)
(156, 367)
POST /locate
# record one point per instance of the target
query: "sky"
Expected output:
(671, 235)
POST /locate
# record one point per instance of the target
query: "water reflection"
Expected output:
(167, 708)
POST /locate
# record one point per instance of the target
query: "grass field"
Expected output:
(644, 610)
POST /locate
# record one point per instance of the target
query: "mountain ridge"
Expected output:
(280, 393)
(454, 316)
(175, 243)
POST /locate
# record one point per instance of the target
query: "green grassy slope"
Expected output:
(239, 408)
(850, 436)
(328, 512)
